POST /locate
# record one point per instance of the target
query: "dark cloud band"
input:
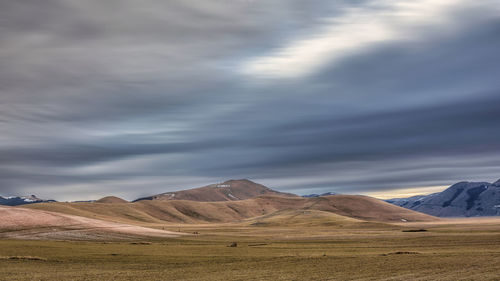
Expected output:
(122, 95)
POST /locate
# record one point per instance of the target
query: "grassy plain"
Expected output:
(448, 250)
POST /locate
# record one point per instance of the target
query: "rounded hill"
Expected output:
(111, 199)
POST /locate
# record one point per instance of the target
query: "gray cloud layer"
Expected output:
(134, 98)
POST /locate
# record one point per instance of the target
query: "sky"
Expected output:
(134, 98)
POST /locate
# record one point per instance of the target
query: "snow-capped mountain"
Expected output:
(21, 200)
(463, 199)
(319, 195)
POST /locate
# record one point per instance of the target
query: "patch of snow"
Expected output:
(232, 196)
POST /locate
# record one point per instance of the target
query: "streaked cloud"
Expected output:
(131, 99)
(354, 30)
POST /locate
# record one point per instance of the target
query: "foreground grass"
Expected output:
(439, 254)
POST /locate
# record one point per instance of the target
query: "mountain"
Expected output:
(21, 200)
(111, 199)
(146, 212)
(319, 195)
(231, 190)
(463, 199)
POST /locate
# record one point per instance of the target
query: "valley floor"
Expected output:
(449, 250)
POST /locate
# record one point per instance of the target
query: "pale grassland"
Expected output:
(368, 252)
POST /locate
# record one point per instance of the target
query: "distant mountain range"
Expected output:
(319, 195)
(258, 211)
(463, 199)
(21, 200)
(231, 190)
(232, 201)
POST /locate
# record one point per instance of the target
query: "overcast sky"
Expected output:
(133, 98)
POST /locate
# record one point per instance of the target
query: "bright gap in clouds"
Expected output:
(405, 192)
(358, 28)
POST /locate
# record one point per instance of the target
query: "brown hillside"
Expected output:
(111, 199)
(25, 223)
(231, 190)
(185, 211)
(303, 218)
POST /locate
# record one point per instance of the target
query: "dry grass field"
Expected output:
(312, 246)
(336, 237)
